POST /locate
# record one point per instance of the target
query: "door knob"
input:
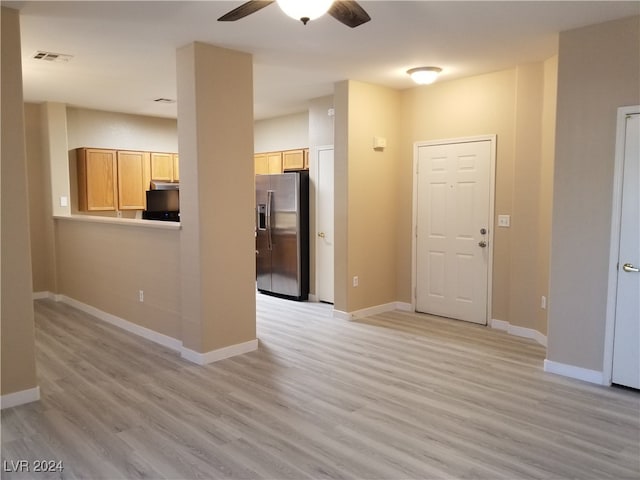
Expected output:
(482, 243)
(321, 234)
(627, 267)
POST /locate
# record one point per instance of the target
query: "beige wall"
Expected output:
(510, 104)
(365, 197)
(56, 154)
(100, 129)
(478, 105)
(217, 244)
(17, 326)
(281, 133)
(545, 197)
(43, 263)
(120, 131)
(598, 71)
(320, 122)
(106, 265)
(523, 300)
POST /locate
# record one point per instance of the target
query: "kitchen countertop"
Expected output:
(128, 222)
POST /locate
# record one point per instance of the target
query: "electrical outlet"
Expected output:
(141, 295)
(356, 281)
(543, 302)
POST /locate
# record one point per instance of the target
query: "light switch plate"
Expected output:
(64, 201)
(504, 220)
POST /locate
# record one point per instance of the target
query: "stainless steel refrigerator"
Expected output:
(282, 234)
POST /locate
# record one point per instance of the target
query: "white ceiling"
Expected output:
(124, 52)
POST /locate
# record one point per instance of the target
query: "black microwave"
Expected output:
(163, 205)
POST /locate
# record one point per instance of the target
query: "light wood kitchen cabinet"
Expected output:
(97, 179)
(162, 167)
(268, 163)
(293, 160)
(278, 162)
(261, 163)
(133, 179)
(110, 180)
(176, 168)
(274, 159)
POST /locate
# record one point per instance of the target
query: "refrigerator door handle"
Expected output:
(269, 202)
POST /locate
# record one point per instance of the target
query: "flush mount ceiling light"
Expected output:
(305, 10)
(424, 75)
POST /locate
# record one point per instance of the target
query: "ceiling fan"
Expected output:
(345, 11)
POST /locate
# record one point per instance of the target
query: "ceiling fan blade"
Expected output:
(349, 13)
(245, 9)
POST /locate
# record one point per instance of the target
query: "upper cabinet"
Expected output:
(162, 167)
(293, 160)
(110, 180)
(133, 180)
(268, 163)
(176, 167)
(278, 162)
(97, 179)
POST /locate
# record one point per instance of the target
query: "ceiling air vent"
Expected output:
(51, 57)
(164, 100)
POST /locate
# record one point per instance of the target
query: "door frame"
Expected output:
(314, 166)
(614, 252)
(492, 188)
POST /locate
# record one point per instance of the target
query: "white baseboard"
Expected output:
(404, 307)
(42, 295)
(220, 353)
(19, 398)
(156, 337)
(159, 338)
(375, 310)
(579, 373)
(499, 324)
(339, 314)
(519, 331)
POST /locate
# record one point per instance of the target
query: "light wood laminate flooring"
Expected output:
(393, 396)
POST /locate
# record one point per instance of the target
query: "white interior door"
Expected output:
(626, 343)
(324, 224)
(452, 230)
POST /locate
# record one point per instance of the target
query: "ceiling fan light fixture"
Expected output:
(305, 10)
(424, 75)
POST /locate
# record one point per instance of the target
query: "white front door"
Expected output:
(626, 344)
(452, 229)
(324, 224)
